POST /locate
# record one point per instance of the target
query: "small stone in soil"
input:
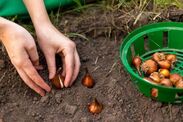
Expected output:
(33, 114)
(70, 109)
(40, 116)
(2, 64)
(35, 99)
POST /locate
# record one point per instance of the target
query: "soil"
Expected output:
(104, 30)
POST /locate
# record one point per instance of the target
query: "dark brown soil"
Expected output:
(105, 30)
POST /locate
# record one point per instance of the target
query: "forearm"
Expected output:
(37, 11)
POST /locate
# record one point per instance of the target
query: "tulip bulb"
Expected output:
(137, 62)
(149, 80)
(164, 72)
(158, 56)
(179, 84)
(171, 58)
(95, 107)
(174, 78)
(58, 80)
(88, 80)
(149, 66)
(166, 82)
(156, 77)
(165, 64)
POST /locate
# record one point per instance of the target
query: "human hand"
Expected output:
(22, 51)
(53, 42)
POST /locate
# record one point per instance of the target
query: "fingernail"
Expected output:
(42, 94)
(51, 76)
(49, 89)
(66, 84)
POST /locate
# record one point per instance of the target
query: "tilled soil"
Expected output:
(122, 101)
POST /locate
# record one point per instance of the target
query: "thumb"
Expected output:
(50, 59)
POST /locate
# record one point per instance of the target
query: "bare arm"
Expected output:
(37, 12)
(22, 51)
(52, 41)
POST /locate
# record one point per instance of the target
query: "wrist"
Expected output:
(40, 21)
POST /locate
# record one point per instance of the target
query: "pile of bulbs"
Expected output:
(157, 70)
(94, 107)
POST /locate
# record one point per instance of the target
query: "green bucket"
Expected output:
(164, 37)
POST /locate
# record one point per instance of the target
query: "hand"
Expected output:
(53, 42)
(22, 51)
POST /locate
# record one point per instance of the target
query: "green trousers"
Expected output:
(17, 7)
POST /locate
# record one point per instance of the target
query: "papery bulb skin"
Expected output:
(95, 107)
(87, 80)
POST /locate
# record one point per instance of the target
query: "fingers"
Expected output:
(68, 68)
(30, 83)
(30, 71)
(71, 66)
(76, 68)
(33, 55)
(63, 64)
(50, 59)
(39, 67)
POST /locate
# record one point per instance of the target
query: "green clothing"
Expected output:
(17, 7)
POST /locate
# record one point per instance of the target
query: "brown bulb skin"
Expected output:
(179, 84)
(174, 78)
(95, 107)
(137, 62)
(88, 81)
(149, 66)
(166, 82)
(165, 64)
(155, 76)
(158, 56)
(164, 72)
(56, 81)
(171, 57)
(149, 80)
